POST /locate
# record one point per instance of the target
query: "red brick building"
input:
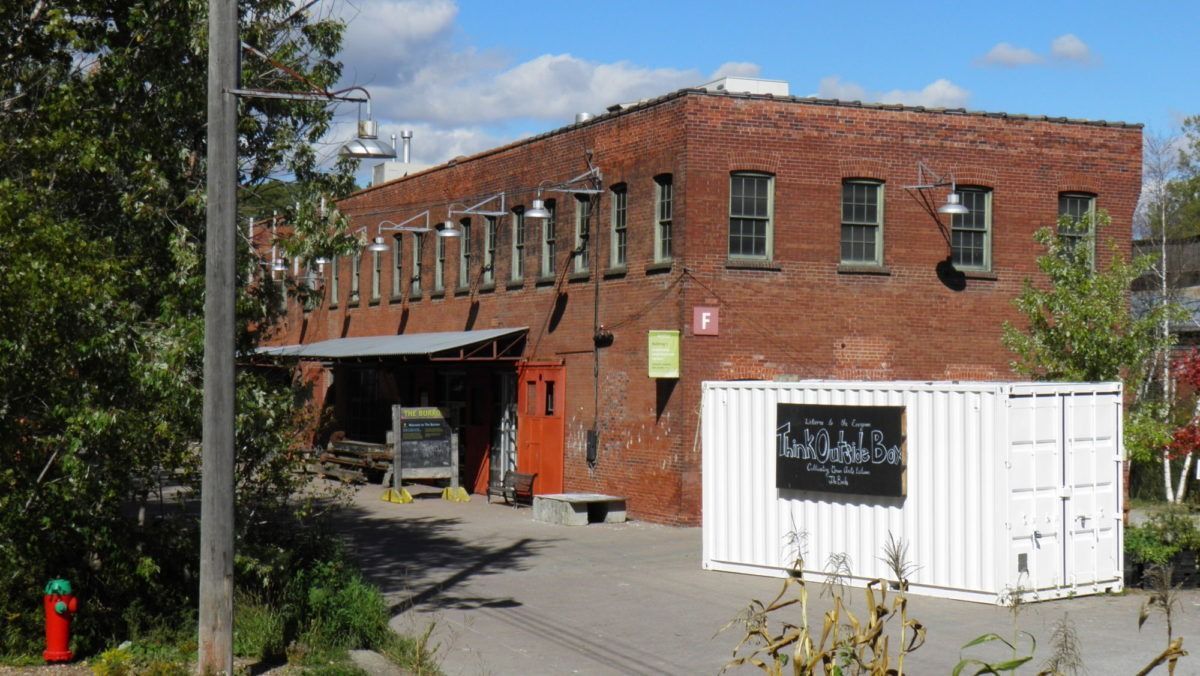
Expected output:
(793, 217)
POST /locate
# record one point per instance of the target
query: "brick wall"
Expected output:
(799, 316)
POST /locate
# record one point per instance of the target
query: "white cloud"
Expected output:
(1070, 48)
(461, 90)
(1064, 48)
(940, 93)
(385, 39)
(1009, 56)
(735, 69)
(832, 87)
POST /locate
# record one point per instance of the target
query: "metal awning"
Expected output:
(483, 345)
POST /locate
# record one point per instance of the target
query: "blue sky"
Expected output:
(470, 75)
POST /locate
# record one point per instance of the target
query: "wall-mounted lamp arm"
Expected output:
(475, 208)
(573, 186)
(403, 226)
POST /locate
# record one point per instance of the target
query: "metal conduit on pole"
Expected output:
(216, 487)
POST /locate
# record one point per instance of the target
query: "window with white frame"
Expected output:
(418, 248)
(583, 226)
(439, 264)
(971, 233)
(549, 240)
(664, 190)
(333, 280)
(862, 222)
(517, 272)
(1077, 217)
(489, 250)
(376, 273)
(397, 266)
(464, 255)
(618, 249)
(751, 202)
(355, 272)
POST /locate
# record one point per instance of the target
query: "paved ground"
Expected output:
(513, 596)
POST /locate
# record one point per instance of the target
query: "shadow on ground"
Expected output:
(422, 561)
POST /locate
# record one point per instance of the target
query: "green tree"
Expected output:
(1079, 326)
(102, 133)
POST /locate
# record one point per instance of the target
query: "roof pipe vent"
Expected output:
(406, 135)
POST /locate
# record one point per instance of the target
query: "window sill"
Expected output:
(545, 280)
(659, 267)
(333, 306)
(515, 284)
(863, 269)
(751, 264)
(395, 299)
(984, 275)
(373, 302)
(437, 295)
(487, 288)
(615, 273)
(580, 276)
(353, 302)
(415, 297)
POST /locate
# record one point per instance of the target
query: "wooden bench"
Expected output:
(515, 489)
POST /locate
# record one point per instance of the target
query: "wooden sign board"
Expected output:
(841, 449)
(425, 445)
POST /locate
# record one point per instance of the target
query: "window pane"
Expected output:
(969, 231)
(860, 203)
(968, 248)
(858, 243)
(1075, 207)
(749, 210)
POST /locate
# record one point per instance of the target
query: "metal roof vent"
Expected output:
(583, 117)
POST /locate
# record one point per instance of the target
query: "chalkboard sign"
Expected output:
(840, 449)
(425, 443)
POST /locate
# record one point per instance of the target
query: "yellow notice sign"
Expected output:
(663, 353)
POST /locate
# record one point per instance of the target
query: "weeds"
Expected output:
(1015, 600)
(845, 644)
(1164, 598)
(1067, 657)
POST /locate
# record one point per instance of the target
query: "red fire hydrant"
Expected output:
(59, 605)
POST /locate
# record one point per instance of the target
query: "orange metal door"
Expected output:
(541, 395)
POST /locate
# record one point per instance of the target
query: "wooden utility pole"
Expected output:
(216, 487)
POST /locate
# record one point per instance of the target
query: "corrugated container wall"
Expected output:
(1002, 486)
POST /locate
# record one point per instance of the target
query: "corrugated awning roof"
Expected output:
(413, 344)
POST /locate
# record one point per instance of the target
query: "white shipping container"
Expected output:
(1005, 485)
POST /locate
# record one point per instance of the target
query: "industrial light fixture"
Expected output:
(538, 208)
(574, 186)
(448, 229)
(953, 205)
(367, 145)
(280, 265)
(377, 245)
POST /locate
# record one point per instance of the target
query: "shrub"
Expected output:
(1166, 533)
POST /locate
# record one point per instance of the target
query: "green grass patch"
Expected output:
(258, 629)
